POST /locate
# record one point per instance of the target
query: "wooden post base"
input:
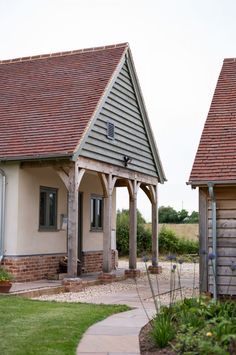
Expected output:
(132, 273)
(155, 269)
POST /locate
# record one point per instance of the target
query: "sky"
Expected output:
(178, 48)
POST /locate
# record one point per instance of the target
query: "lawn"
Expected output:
(36, 327)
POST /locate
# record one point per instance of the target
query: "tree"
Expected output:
(194, 217)
(183, 216)
(168, 215)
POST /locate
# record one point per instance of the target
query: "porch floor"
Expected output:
(40, 287)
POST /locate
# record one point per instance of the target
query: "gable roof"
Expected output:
(215, 160)
(49, 102)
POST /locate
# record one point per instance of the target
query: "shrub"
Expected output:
(144, 239)
(169, 242)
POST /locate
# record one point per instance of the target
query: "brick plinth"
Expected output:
(92, 261)
(155, 269)
(132, 273)
(72, 284)
(38, 267)
(106, 277)
(33, 267)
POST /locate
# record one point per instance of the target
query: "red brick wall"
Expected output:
(37, 267)
(92, 261)
(31, 268)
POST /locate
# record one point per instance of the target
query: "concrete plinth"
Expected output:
(155, 269)
(132, 273)
(72, 284)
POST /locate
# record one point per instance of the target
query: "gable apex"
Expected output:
(123, 105)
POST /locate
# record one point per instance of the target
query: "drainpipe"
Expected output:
(214, 249)
(2, 211)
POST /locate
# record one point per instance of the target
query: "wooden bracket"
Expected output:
(63, 175)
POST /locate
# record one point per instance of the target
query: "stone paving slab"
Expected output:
(104, 343)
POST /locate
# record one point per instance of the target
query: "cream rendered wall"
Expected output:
(91, 185)
(11, 208)
(30, 240)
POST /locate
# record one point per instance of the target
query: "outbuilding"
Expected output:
(214, 173)
(73, 127)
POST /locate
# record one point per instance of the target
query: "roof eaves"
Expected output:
(196, 183)
(35, 157)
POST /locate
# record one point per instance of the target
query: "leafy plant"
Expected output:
(163, 329)
(5, 275)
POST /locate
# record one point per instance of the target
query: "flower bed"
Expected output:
(192, 326)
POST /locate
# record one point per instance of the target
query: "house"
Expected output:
(73, 128)
(214, 173)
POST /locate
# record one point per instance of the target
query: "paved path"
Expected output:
(119, 334)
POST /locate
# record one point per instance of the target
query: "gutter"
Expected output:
(214, 247)
(2, 211)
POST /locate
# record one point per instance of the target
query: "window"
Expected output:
(96, 213)
(110, 130)
(48, 208)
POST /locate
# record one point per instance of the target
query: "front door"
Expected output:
(80, 232)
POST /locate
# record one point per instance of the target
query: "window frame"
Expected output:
(47, 227)
(96, 228)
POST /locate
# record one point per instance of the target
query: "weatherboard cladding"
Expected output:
(216, 156)
(226, 239)
(46, 102)
(121, 108)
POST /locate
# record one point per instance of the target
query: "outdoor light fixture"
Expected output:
(127, 160)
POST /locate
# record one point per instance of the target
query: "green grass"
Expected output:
(38, 327)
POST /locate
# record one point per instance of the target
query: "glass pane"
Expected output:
(99, 213)
(42, 209)
(52, 208)
(93, 213)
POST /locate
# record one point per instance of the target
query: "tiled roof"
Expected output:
(47, 101)
(216, 156)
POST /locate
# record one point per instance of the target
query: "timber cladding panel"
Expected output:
(226, 238)
(122, 109)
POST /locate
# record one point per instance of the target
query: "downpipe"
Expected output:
(2, 211)
(214, 246)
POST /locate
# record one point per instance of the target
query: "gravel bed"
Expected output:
(92, 292)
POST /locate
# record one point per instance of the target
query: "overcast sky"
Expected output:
(178, 48)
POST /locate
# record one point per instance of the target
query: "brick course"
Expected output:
(38, 267)
(33, 267)
(92, 261)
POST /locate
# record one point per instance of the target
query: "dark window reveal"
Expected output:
(96, 213)
(110, 130)
(48, 208)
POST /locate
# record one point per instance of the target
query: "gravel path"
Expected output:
(94, 293)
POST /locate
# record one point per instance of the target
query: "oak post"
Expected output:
(107, 265)
(133, 228)
(73, 191)
(154, 228)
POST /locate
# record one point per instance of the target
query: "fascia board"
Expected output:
(144, 114)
